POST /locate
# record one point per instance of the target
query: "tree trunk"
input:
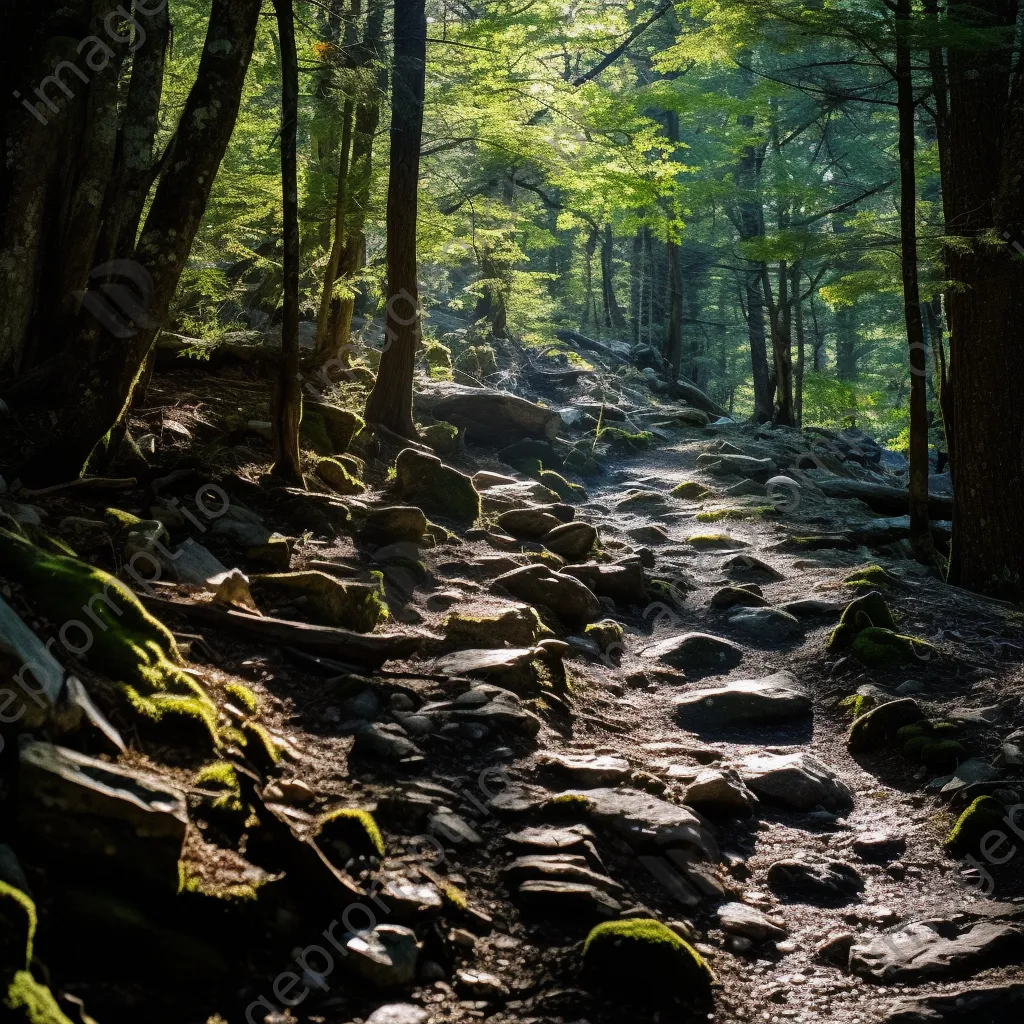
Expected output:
(798, 322)
(636, 287)
(589, 306)
(390, 402)
(986, 308)
(674, 338)
(614, 317)
(287, 404)
(102, 363)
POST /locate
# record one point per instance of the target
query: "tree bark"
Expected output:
(390, 402)
(801, 343)
(636, 287)
(613, 315)
(100, 368)
(287, 404)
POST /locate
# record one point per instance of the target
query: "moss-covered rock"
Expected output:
(941, 755)
(260, 747)
(618, 439)
(348, 833)
(122, 640)
(313, 434)
(438, 358)
(985, 815)
(120, 521)
(870, 576)
(28, 1002)
(641, 960)
(341, 426)
(442, 437)
(713, 540)
(337, 476)
(325, 599)
(882, 648)
(17, 928)
(221, 779)
(722, 514)
(861, 613)
(477, 362)
(690, 490)
(567, 491)
(606, 634)
(519, 626)
(881, 725)
(425, 481)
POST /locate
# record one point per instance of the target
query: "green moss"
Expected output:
(260, 747)
(454, 897)
(646, 960)
(477, 361)
(719, 514)
(568, 800)
(439, 360)
(563, 488)
(18, 923)
(867, 610)
(222, 777)
(942, 755)
(879, 726)
(127, 643)
(122, 522)
(690, 490)
(442, 437)
(618, 439)
(425, 481)
(869, 576)
(710, 540)
(337, 476)
(520, 627)
(605, 633)
(914, 747)
(985, 815)
(882, 648)
(351, 833)
(325, 599)
(314, 435)
(946, 730)
(241, 694)
(914, 731)
(31, 1003)
(856, 704)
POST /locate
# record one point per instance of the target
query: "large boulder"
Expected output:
(572, 541)
(324, 599)
(573, 602)
(489, 417)
(769, 700)
(395, 524)
(340, 425)
(800, 781)
(622, 581)
(697, 654)
(761, 470)
(427, 482)
(528, 523)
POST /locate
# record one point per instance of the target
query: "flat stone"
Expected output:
(640, 819)
(529, 523)
(623, 581)
(672, 881)
(814, 879)
(398, 1013)
(488, 705)
(395, 524)
(697, 654)
(879, 847)
(768, 625)
(775, 698)
(385, 741)
(480, 985)
(573, 602)
(983, 1004)
(971, 771)
(934, 949)
(720, 790)
(553, 900)
(741, 919)
(453, 828)
(509, 666)
(813, 608)
(800, 781)
(748, 566)
(564, 840)
(561, 867)
(384, 957)
(731, 597)
(590, 769)
(746, 466)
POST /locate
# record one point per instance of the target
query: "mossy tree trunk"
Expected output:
(100, 367)
(390, 402)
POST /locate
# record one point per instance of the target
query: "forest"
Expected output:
(511, 511)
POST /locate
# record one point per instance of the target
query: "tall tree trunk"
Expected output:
(636, 287)
(614, 317)
(986, 308)
(390, 402)
(780, 322)
(101, 365)
(798, 323)
(287, 404)
(920, 528)
(589, 306)
(674, 337)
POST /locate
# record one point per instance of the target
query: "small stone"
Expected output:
(697, 654)
(879, 847)
(814, 879)
(572, 541)
(741, 919)
(836, 948)
(479, 985)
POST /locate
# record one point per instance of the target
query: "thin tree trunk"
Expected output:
(920, 528)
(287, 404)
(101, 367)
(614, 317)
(798, 322)
(636, 287)
(390, 402)
(674, 338)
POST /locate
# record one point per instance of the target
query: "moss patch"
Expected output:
(425, 481)
(720, 514)
(690, 490)
(438, 358)
(350, 833)
(477, 361)
(221, 777)
(605, 633)
(28, 1002)
(563, 488)
(711, 540)
(870, 576)
(337, 476)
(260, 747)
(985, 815)
(644, 960)
(243, 696)
(519, 626)
(442, 437)
(618, 439)
(882, 648)
(17, 927)
(314, 435)
(862, 613)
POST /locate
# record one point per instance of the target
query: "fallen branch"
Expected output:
(371, 650)
(589, 345)
(85, 483)
(890, 501)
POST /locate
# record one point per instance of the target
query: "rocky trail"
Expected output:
(608, 710)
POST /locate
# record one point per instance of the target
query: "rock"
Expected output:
(507, 667)
(492, 418)
(240, 526)
(384, 957)
(561, 867)
(443, 438)
(879, 847)
(773, 699)
(573, 602)
(644, 502)
(590, 770)
(720, 791)
(530, 523)
(338, 478)
(485, 705)
(484, 481)
(863, 612)
(760, 470)
(750, 567)
(991, 1004)
(814, 879)
(710, 540)
(640, 819)
(398, 1013)
(622, 581)
(348, 833)
(697, 654)
(233, 591)
(812, 608)
(730, 597)
(340, 424)
(741, 919)
(385, 741)
(967, 774)
(835, 949)
(453, 828)
(879, 726)
(672, 881)
(395, 524)
(984, 816)
(21, 647)
(768, 625)
(75, 810)
(554, 900)
(572, 839)
(521, 494)
(480, 985)
(518, 625)
(642, 960)
(934, 949)
(799, 781)
(327, 601)
(425, 481)
(273, 556)
(572, 541)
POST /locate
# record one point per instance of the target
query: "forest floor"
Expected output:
(818, 887)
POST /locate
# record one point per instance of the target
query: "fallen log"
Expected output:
(371, 650)
(590, 345)
(87, 484)
(698, 399)
(881, 498)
